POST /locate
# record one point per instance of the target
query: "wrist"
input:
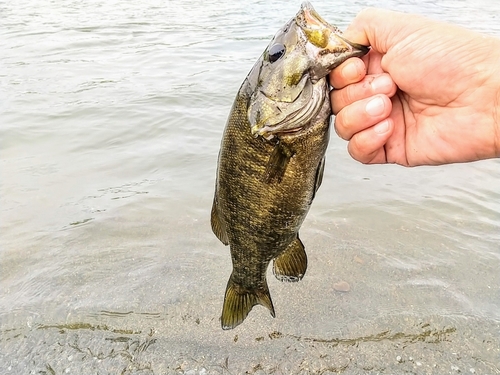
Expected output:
(496, 115)
(492, 85)
(496, 99)
(496, 124)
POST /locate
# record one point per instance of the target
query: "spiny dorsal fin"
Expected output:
(239, 301)
(291, 265)
(218, 227)
(278, 161)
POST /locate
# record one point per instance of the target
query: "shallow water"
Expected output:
(111, 117)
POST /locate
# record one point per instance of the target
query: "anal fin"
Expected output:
(238, 302)
(291, 265)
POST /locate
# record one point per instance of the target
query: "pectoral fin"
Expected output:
(291, 265)
(239, 301)
(278, 161)
(218, 226)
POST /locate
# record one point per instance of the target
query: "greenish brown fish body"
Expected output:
(272, 158)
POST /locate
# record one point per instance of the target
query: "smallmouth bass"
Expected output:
(272, 159)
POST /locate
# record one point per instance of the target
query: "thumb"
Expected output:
(381, 29)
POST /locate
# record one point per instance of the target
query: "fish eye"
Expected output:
(275, 52)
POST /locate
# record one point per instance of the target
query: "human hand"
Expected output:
(427, 93)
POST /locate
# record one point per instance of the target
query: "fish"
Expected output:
(272, 158)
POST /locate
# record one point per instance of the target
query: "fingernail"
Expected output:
(375, 107)
(382, 84)
(382, 127)
(350, 71)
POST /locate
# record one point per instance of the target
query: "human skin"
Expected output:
(428, 93)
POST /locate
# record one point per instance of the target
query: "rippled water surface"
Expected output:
(111, 115)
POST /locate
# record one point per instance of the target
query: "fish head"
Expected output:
(288, 83)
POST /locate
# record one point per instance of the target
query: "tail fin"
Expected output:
(291, 265)
(239, 301)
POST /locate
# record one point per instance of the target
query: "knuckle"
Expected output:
(335, 101)
(364, 148)
(336, 79)
(342, 124)
(337, 125)
(358, 91)
(354, 152)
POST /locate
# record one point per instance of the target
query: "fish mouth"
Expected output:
(325, 42)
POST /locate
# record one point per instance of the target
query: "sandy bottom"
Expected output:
(140, 309)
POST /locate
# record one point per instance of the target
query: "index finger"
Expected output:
(350, 71)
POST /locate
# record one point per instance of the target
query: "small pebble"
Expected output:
(399, 359)
(418, 363)
(410, 359)
(455, 368)
(472, 370)
(342, 286)
(358, 260)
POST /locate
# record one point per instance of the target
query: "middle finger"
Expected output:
(361, 115)
(369, 86)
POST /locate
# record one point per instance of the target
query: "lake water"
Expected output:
(111, 115)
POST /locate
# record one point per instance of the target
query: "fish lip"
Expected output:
(312, 18)
(306, 5)
(324, 39)
(357, 49)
